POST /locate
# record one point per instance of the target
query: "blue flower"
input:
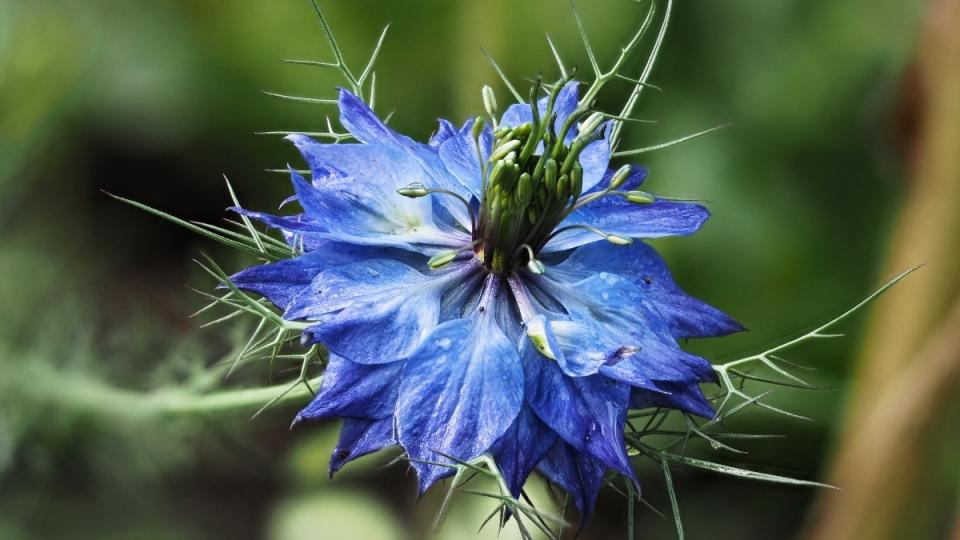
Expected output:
(488, 292)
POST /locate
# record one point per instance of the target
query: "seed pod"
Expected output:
(489, 100)
(576, 180)
(640, 197)
(524, 189)
(618, 240)
(497, 173)
(414, 191)
(563, 188)
(442, 259)
(505, 149)
(550, 175)
(591, 123)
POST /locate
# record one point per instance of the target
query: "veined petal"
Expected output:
(384, 314)
(595, 159)
(281, 281)
(360, 437)
(459, 155)
(444, 131)
(617, 312)
(577, 473)
(362, 122)
(587, 412)
(580, 348)
(460, 392)
(614, 215)
(519, 450)
(687, 317)
(355, 391)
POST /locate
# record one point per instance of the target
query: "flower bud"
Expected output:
(620, 177)
(524, 189)
(489, 100)
(563, 187)
(477, 127)
(501, 151)
(442, 259)
(414, 191)
(576, 180)
(550, 175)
(591, 123)
(618, 240)
(640, 197)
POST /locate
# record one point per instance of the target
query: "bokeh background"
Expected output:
(841, 169)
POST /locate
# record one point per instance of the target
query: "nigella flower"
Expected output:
(488, 293)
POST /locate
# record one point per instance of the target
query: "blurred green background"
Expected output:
(155, 100)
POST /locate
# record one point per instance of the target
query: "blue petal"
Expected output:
(374, 312)
(359, 438)
(363, 123)
(355, 391)
(445, 130)
(578, 474)
(519, 450)
(594, 159)
(685, 397)
(280, 281)
(687, 317)
(460, 392)
(580, 348)
(621, 313)
(614, 215)
(459, 155)
(587, 412)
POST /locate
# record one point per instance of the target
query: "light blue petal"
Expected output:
(614, 215)
(460, 392)
(621, 316)
(459, 156)
(444, 131)
(595, 159)
(686, 316)
(355, 391)
(362, 122)
(374, 312)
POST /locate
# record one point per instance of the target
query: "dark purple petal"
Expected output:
(577, 473)
(587, 412)
(685, 397)
(519, 450)
(354, 390)
(359, 438)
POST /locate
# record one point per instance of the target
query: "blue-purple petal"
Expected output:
(519, 450)
(460, 392)
(614, 215)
